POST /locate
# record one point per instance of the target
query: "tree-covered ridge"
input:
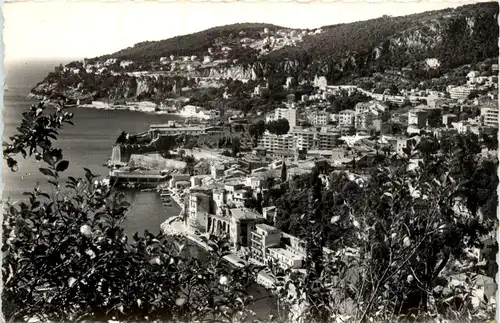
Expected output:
(192, 44)
(454, 37)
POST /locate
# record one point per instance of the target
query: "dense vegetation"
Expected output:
(193, 44)
(65, 256)
(469, 34)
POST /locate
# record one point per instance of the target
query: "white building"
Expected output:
(192, 111)
(402, 144)
(311, 139)
(319, 118)
(417, 117)
(459, 92)
(274, 142)
(289, 114)
(320, 82)
(243, 221)
(110, 61)
(364, 120)
(378, 109)
(285, 258)
(489, 116)
(466, 126)
(198, 210)
(263, 237)
(347, 118)
(126, 63)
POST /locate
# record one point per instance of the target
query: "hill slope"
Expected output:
(192, 44)
(453, 37)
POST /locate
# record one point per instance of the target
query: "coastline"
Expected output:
(135, 107)
(141, 106)
(174, 226)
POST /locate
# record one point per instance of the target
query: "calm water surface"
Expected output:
(88, 144)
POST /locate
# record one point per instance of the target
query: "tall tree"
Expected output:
(314, 239)
(283, 172)
(256, 130)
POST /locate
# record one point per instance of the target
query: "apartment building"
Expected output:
(243, 222)
(459, 92)
(489, 116)
(378, 109)
(311, 138)
(263, 237)
(319, 118)
(347, 117)
(417, 117)
(289, 114)
(285, 258)
(274, 142)
(198, 210)
(364, 119)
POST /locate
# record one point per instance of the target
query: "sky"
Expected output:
(76, 29)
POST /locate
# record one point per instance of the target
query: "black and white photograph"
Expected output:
(250, 162)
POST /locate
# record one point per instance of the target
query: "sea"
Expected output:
(88, 144)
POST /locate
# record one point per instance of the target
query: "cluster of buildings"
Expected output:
(191, 111)
(281, 38)
(215, 203)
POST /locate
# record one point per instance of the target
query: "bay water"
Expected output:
(88, 144)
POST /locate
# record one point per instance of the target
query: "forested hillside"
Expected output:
(453, 37)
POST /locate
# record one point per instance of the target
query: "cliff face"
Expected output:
(236, 72)
(453, 37)
(52, 90)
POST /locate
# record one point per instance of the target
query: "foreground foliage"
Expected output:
(65, 256)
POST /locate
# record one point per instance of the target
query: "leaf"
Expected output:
(88, 174)
(44, 195)
(47, 157)
(47, 172)
(62, 165)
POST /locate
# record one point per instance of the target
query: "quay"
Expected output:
(139, 178)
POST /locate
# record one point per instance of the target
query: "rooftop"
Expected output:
(244, 214)
(200, 194)
(266, 227)
(201, 163)
(286, 253)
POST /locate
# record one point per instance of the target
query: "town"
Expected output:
(331, 169)
(218, 191)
